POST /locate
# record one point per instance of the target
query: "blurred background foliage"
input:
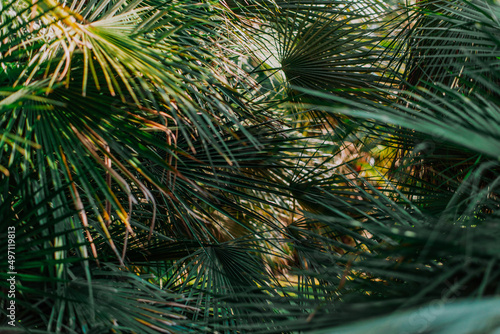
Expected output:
(250, 166)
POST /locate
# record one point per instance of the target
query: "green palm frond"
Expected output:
(160, 88)
(335, 47)
(57, 287)
(455, 317)
(454, 43)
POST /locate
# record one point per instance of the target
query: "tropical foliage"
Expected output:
(249, 166)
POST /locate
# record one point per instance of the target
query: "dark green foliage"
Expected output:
(250, 167)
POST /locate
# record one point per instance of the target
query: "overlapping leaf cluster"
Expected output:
(250, 166)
